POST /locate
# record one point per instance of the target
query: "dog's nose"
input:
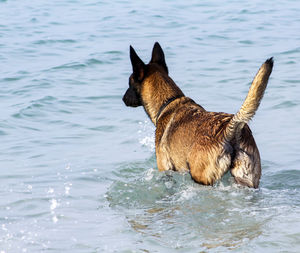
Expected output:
(124, 99)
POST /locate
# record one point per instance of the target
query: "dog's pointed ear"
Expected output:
(138, 66)
(158, 56)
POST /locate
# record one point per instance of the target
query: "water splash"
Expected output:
(146, 134)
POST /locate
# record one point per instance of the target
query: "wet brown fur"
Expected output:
(189, 138)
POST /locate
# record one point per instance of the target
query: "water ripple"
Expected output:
(75, 159)
(45, 42)
(285, 104)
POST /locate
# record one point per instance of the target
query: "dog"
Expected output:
(189, 138)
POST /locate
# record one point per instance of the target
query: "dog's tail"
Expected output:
(251, 103)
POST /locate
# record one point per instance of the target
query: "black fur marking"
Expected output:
(270, 62)
(158, 57)
(138, 66)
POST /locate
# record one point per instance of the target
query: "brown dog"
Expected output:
(189, 138)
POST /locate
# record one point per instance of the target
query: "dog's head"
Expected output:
(133, 96)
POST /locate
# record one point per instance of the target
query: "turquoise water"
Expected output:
(78, 170)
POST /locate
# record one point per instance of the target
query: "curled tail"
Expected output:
(251, 103)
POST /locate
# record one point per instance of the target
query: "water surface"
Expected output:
(78, 169)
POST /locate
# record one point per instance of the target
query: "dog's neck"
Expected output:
(161, 109)
(157, 92)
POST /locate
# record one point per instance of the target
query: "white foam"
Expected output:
(148, 141)
(149, 174)
(169, 185)
(187, 193)
(146, 134)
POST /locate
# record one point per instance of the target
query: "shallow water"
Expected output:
(78, 170)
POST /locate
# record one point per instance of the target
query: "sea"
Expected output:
(78, 169)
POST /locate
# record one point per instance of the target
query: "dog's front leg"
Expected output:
(164, 162)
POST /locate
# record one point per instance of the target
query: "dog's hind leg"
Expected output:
(163, 159)
(246, 166)
(208, 166)
(246, 170)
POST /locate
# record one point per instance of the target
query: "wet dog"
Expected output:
(189, 138)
